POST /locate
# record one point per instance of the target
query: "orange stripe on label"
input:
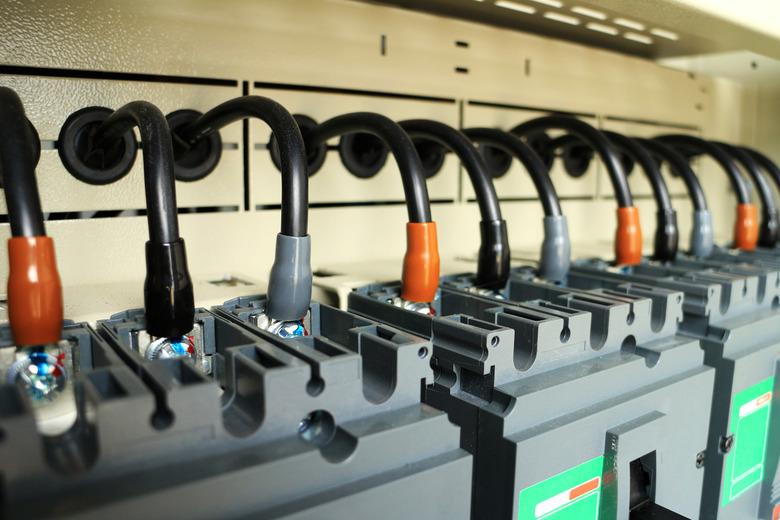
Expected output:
(776, 513)
(584, 488)
(764, 398)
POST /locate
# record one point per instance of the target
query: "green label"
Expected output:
(571, 495)
(750, 427)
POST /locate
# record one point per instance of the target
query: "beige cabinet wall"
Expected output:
(349, 56)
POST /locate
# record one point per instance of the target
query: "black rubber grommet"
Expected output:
(576, 160)
(497, 160)
(362, 154)
(97, 167)
(540, 143)
(432, 155)
(193, 161)
(315, 157)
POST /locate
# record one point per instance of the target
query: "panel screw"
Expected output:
(726, 443)
(700, 459)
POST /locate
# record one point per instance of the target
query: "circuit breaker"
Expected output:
(303, 428)
(568, 403)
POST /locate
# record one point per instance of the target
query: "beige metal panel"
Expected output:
(93, 302)
(637, 180)
(48, 103)
(517, 183)
(106, 250)
(343, 278)
(339, 40)
(689, 26)
(582, 79)
(334, 43)
(333, 183)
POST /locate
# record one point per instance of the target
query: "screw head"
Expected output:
(700, 457)
(726, 443)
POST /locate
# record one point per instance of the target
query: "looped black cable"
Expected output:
(769, 214)
(475, 167)
(666, 240)
(401, 146)
(679, 164)
(494, 256)
(292, 153)
(168, 292)
(530, 160)
(766, 163)
(642, 157)
(690, 146)
(158, 163)
(18, 157)
(594, 139)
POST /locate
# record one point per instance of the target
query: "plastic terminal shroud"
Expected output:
(548, 330)
(711, 296)
(148, 415)
(637, 310)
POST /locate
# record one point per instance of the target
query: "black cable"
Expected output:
(594, 139)
(753, 169)
(401, 146)
(667, 235)
(643, 158)
(158, 163)
(169, 306)
(493, 262)
(769, 213)
(766, 163)
(17, 163)
(451, 138)
(691, 146)
(679, 164)
(530, 160)
(292, 151)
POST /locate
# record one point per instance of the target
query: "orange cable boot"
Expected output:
(420, 277)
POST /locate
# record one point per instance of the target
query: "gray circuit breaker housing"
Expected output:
(316, 427)
(731, 307)
(575, 393)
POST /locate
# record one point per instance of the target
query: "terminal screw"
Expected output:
(167, 348)
(281, 328)
(700, 457)
(726, 443)
(420, 307)
(42, 372)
